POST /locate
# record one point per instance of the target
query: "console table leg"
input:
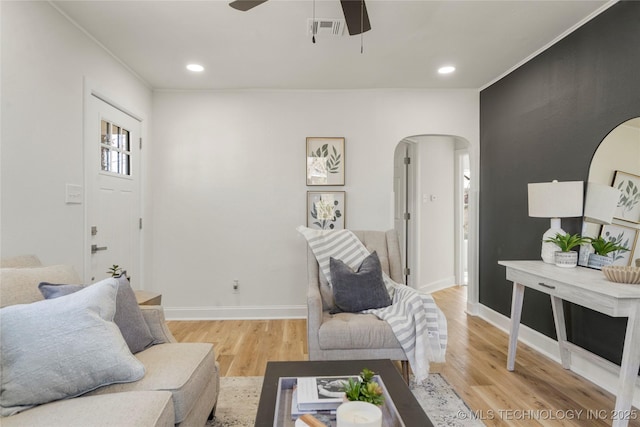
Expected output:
(628, 371)
(561, 331)
(516, 314)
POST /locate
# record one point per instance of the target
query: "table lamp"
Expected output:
(601, 203)
(554, 200)
(599, 208)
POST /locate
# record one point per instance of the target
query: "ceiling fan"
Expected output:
(355, 13)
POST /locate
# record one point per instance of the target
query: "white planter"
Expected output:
(599, 261)
(566, 259)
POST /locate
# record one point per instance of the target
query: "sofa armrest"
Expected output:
(154, 317)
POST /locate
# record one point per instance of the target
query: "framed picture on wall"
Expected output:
(628, 208)
(325, 161)
(326, 210)
(623, 236)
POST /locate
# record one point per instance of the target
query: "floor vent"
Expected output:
(328, 27)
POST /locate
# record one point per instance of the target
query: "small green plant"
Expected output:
(115, 270)
(604, 247)
(364, 389)
(566, 242)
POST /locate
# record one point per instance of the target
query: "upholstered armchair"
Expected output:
(344, 336)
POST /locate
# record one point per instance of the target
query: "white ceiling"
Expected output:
(268, 46)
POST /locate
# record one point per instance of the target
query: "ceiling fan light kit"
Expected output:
(355, 14)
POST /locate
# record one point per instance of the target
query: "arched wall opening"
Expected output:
(435, 212)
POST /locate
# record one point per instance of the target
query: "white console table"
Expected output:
(587, 288)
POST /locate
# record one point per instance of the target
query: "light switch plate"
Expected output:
(73, 194)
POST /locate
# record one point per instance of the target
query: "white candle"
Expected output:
(358, 414)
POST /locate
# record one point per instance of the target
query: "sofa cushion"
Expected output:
(363, 289)
(130, 409)
(20, 285)
(61, 348)
(347, 331)
(184, 369)
(128, 314)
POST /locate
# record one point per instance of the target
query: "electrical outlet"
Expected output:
(236, 286)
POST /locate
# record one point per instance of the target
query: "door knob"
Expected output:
(95, 248)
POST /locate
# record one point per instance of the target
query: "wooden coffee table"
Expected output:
(408, 407)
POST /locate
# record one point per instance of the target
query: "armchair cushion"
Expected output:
(354, 291)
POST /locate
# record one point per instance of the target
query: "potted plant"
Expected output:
(364, 389)
(364, 396)
(565, 257)
(603, 249)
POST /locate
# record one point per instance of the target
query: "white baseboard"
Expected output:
(235, 313)
(438, 285)
(582, 366)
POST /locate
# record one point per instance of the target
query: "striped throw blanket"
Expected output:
(418, 324)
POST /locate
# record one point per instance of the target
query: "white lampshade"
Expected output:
(601, 203)
(556, 199)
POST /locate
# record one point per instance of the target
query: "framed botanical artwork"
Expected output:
(326, 210)
(325, 161)
(628, 208)
(623, 236)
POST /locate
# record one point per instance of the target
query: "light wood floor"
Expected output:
(538, 393)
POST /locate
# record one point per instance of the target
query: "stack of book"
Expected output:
(318, 395)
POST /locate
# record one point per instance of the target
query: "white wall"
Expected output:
(228, 185)
(44, 61)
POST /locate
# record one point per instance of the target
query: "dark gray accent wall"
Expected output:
(541, 122)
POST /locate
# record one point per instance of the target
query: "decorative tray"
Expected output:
(620, 274)
(284, 418)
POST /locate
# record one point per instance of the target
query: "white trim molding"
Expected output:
(438, 285)
(604, 376)
(236, 312)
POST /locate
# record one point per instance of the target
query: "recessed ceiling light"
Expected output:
(195, 67)
(446, 69)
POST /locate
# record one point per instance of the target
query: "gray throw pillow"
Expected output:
(64, 347)
(354, 291)
(51, 291)
(128, 314)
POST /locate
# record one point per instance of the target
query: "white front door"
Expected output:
(112, 173)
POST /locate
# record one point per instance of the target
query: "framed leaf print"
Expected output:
(325, 161)
(326, 210)
(629, 203)
(622, 236)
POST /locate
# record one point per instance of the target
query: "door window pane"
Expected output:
(115, 149)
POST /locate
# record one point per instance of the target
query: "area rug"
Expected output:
(238, 403)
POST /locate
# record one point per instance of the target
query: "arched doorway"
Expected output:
(435, 212)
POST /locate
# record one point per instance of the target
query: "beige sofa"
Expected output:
(180, 385)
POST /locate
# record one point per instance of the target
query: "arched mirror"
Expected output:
(612, 206)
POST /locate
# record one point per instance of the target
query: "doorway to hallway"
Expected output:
(432, 212)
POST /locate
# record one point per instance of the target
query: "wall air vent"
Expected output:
(325, 27)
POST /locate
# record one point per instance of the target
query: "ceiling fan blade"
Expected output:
(245, 5)
(355, 15)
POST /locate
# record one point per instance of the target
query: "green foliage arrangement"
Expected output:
(604, 247)
(364, 389)
(568, 241)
